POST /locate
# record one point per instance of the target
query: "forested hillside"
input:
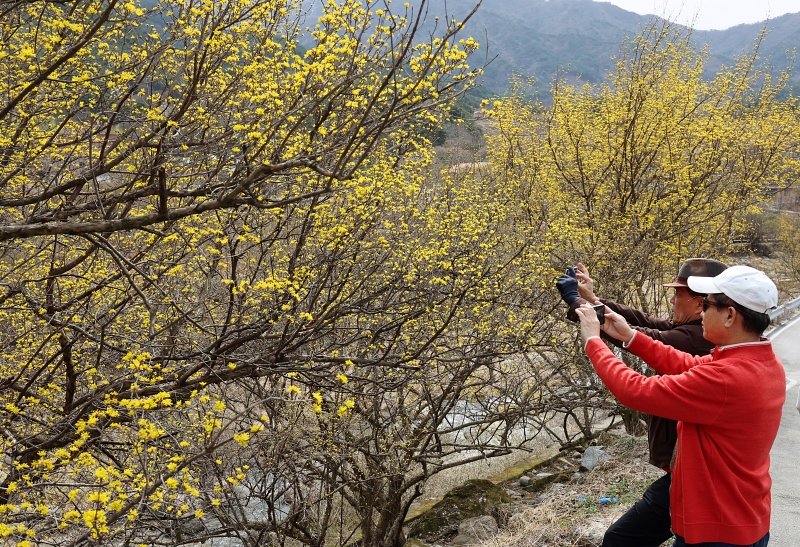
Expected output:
(539, 37)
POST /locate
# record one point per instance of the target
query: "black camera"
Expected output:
(600, 310)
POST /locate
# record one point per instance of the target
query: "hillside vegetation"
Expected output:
(540, 37)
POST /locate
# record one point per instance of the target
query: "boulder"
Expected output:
(591, 532)
(543, 479)
(475, 530)
(472, 499)
(592, 457)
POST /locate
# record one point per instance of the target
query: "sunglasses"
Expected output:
(707, 303)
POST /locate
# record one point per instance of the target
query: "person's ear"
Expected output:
(732, 313)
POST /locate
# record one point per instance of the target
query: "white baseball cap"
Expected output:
(744, 285)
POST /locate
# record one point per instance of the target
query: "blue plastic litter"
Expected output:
(606, 501)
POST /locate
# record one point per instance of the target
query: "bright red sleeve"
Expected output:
(663, 358)
(697, 395)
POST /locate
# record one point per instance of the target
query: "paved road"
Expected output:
(785, 469)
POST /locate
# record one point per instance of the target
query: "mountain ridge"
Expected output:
(582, 37)
(579, 38)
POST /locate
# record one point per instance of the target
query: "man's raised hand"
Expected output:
(585, 283)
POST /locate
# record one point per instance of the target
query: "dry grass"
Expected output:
(570, 514)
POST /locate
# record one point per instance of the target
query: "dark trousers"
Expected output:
(680, 542)
(647, 523)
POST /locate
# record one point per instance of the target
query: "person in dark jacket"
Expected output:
(647, 522)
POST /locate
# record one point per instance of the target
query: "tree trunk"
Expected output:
(635, 421)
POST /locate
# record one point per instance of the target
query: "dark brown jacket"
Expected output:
(661, 432)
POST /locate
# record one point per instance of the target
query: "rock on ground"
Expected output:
(592, 457)
(475, 530)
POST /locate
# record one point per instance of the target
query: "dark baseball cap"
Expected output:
(697, 267)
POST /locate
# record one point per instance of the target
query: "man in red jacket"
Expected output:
(647, 522)
(728, 406)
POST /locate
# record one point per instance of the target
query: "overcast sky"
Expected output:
(711, 14)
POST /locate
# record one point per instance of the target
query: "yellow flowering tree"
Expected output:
(236, 299)
(650, 167)
(788, 235)
(417, 367)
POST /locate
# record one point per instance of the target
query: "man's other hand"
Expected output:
(590, 325)
(616, 326)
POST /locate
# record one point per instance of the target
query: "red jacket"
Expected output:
(662, 432)
(728, 405)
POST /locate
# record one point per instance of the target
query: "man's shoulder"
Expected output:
(752, 363)
(692, 326)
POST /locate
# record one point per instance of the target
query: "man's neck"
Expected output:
(742, 337)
